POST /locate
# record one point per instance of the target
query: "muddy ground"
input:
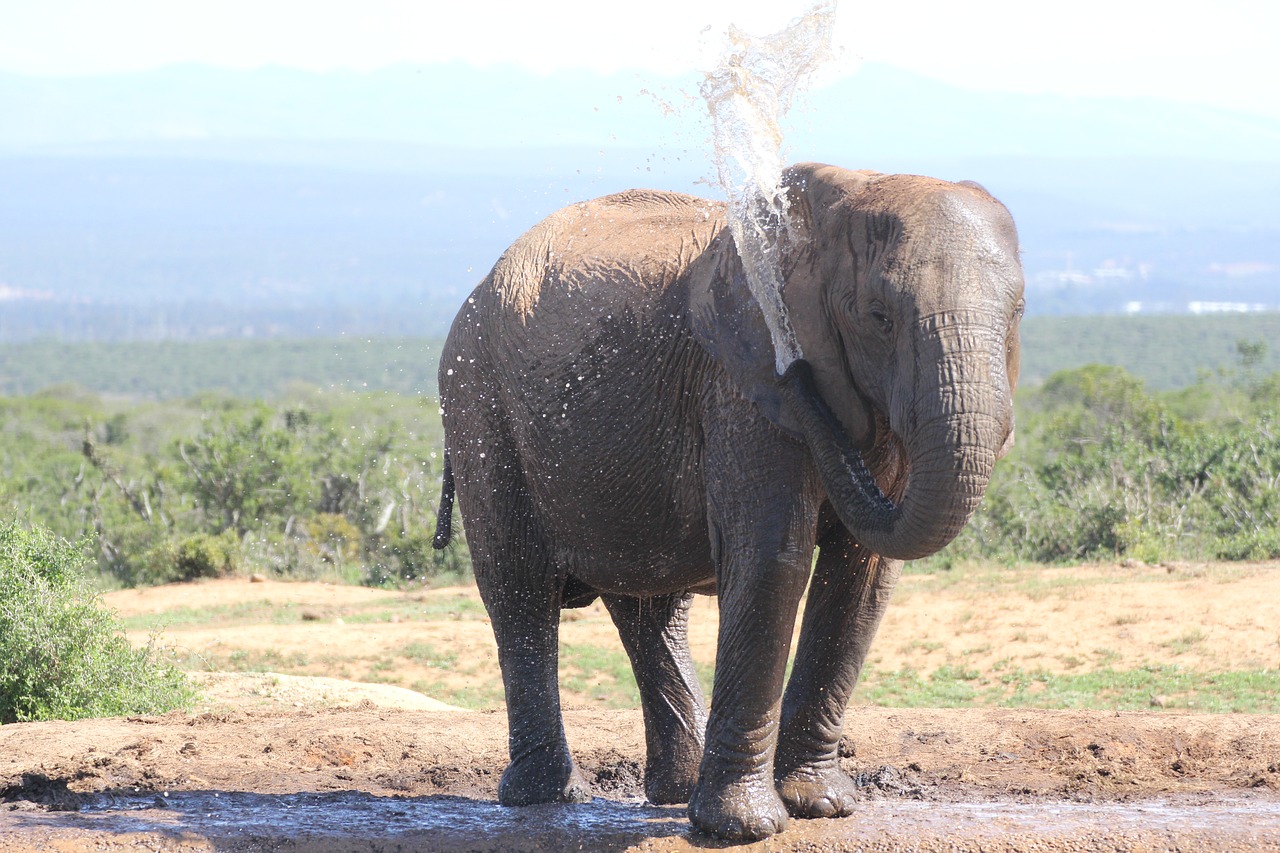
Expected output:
(289, 762)
(385, 779)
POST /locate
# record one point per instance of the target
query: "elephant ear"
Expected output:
(826, 251)
(728, 323)
(726, 317)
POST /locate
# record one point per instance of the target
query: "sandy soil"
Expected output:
(286, 762)
(1204, 618)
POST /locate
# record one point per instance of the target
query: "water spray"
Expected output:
(747, 94)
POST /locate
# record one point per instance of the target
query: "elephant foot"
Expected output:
(665, 788)
(814, 792)
(543, 776)
(672, 776)
(746, 810)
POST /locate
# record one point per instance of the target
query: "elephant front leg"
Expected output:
(848, 595)
(736, 797)
(654, 632)
(763, 524)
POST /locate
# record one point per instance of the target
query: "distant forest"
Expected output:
(246, 369)
(1164, 352)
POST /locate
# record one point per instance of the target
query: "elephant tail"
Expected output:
(444, 516)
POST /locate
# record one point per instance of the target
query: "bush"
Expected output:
(199, 555)
(327, 485)
(1103, 469)
(411, 557)
(333, 538)
(62, 656)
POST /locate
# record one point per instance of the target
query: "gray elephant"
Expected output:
(616, 428)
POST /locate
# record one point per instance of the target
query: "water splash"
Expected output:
(747, 95)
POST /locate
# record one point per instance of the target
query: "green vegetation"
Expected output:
(426, 654)
(1104, 468)
(246, 368)
(343, 484)
(471, 696)
(602, 674)
(1165, 352)
(62, 656)
(338, 485)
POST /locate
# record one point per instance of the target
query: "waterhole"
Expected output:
(450, 822)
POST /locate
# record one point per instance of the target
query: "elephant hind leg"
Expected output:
(521, 588)
(541, 768)
(654, 632)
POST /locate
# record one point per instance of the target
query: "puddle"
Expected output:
(1059, 818)
(360, 815)
(456, 822)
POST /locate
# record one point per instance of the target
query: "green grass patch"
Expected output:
(243, 660)
(603, 674)
(1184, 643)
(407, 609)
(394, 608)
(474, 697)
(1158, 686)
(426, 654)
(223, 615)
(460, 606)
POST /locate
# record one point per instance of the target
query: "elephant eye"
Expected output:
(881, 319)
(1020, 309)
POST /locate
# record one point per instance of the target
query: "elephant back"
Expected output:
(638, 238)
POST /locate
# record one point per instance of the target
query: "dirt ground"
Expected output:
(1203, 618)
(294, 762)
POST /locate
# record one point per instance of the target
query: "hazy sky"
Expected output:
(1222, 52)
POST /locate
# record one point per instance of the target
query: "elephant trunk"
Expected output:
(950, 458)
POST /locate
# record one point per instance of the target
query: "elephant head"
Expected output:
(905, 295)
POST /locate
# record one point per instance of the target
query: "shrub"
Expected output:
(410, 557)
(330, 485)
(1103, 469)
(199, 555)
(62, 656)
(333, 538)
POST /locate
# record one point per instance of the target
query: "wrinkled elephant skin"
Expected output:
(615, 428)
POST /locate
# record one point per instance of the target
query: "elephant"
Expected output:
(616, 427)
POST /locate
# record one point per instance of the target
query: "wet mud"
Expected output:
(376, 779)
